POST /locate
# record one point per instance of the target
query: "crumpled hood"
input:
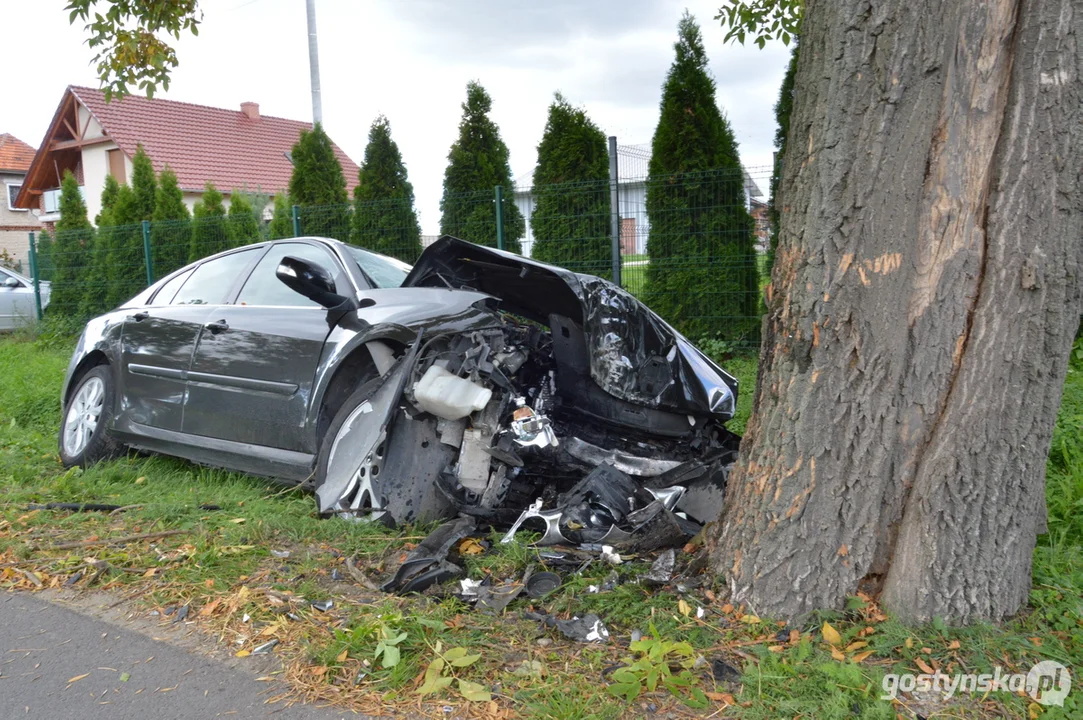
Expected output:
(634, 354)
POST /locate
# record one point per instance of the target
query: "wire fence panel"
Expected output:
(571, 226)
(691, 246)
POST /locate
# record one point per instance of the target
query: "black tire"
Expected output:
(81, 445)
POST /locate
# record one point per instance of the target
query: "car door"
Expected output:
(158, 340)
(252, 373)
(16, 301)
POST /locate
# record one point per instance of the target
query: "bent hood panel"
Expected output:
(634, 354)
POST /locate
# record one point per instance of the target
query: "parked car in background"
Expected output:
(17, 299)
(475, 382)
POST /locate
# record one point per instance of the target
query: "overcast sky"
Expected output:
(411, 60)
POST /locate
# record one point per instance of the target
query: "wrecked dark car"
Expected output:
(477, 383)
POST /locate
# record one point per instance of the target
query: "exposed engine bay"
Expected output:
(579, 414)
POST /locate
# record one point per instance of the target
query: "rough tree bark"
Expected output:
(926, 290)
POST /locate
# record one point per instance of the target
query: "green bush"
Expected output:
(571, 220)
(703, 275)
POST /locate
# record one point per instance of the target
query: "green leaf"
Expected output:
(628, 691)
(391, 656)
(431, 624)
(474, 692)
(454, 654)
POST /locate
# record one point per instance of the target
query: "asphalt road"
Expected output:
(45, 647)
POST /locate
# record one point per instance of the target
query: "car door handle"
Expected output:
(217, 326)
(139, 316)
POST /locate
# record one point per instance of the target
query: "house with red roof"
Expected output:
(16, 223)
(93, 138)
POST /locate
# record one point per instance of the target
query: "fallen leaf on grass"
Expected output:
(242, 653)
(954, 645)
(684, 608)
(837, 654)
(861, 656)
(831, 635)
(341, 657)
(924, 666)
(724, 698)
(750, 619)
(471, 546)
(855, 646)
(474, 692)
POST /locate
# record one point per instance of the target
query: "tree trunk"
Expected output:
(926, 290)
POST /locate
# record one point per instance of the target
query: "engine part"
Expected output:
(449, 396)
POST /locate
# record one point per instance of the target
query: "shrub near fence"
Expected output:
(705, 283)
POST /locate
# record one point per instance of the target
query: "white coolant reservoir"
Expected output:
(449, 396)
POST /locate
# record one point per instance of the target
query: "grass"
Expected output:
(222, 566)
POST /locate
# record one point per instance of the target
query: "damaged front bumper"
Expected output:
(577, 398)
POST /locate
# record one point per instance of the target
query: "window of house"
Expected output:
(13, 192)
(116, 165)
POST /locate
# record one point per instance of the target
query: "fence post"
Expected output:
(499, 217)
(296, 214)
(34, 275)
(146, 253)
(614, 210)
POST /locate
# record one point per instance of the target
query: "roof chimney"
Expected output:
(251, 110)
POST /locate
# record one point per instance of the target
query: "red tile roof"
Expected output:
(202, 143)
(15, 154)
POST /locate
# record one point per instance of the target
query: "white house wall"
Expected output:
(95, 170)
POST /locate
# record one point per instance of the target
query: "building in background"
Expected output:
(16, 223)
(234, 149)
(632, 168)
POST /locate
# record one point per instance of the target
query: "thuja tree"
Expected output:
(46, 261)
(571, 218)
(243, 221)
(282, 222)
(171, 225)
(702, 274)
(127, 263)
(210, 231)
(95, 291)
(74, 235)
(318, 186)
(783, 109)
(477, 163)
(384, 219)
(924, 300)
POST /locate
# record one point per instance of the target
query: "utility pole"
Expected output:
(314, 62)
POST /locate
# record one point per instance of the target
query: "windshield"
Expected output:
(385, 271)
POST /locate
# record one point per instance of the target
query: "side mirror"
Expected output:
(309, 280)
(10, 282)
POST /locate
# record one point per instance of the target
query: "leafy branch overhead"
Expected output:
(128, 38)
(763, 20)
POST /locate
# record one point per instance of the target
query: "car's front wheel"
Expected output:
(84, 439)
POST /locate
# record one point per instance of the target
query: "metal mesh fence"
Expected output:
(690, 246)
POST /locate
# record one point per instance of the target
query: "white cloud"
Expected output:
(411, 60)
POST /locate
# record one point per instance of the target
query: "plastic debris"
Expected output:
(322, 605)
(265, 648)
(661, 571)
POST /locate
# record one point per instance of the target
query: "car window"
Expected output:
(209, 284)
(166, 293)
(263, 286)
(385, 271)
